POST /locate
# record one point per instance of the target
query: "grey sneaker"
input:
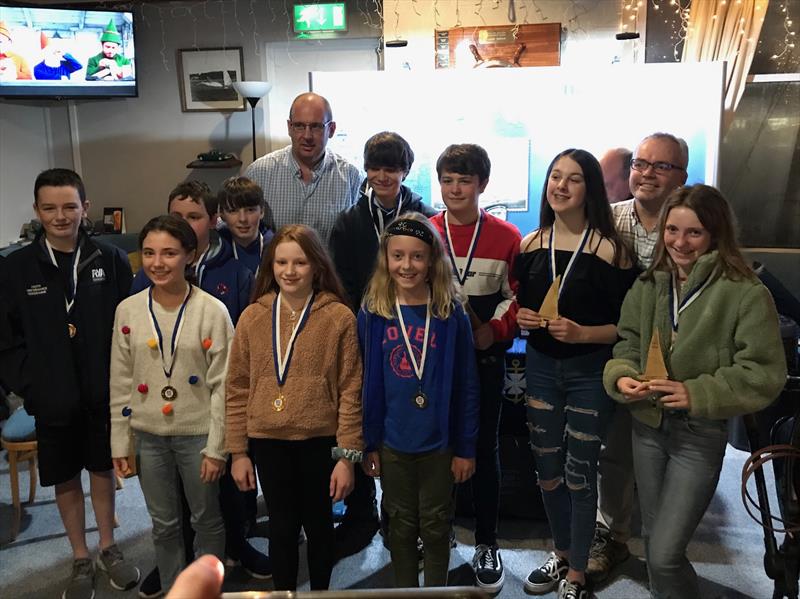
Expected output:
(604, 555)
(81, 585)
(121, 575)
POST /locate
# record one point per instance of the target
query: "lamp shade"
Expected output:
(252, 89)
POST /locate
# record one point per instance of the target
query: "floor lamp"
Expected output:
(253, 91)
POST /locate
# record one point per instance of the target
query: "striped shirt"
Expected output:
(333, 187)
(633, 233)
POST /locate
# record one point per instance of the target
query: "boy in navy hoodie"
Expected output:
(217, 272)
(247, 222)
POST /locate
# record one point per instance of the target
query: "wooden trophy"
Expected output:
(549, 308)
(655, 368)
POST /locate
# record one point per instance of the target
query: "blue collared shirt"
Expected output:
(333, 187)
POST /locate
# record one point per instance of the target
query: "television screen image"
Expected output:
(59, 52)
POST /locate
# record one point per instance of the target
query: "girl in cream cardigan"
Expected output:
(168, 362)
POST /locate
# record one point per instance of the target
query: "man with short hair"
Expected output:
(616, 166)
(59, 295)
(305, 182)
(658, 168)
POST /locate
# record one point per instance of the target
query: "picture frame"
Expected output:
(206, 77)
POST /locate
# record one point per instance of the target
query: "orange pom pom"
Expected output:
(207, 343)
(166, 409)
(152, 343)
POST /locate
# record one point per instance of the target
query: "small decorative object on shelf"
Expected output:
(215, 159)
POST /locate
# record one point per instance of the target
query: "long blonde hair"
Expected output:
(379, 298)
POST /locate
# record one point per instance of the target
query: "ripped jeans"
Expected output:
(568, 412)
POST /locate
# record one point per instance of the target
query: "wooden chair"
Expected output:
(20, 451)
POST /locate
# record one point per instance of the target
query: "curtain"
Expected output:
(725, 30)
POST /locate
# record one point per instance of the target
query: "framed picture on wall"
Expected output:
(206, 77)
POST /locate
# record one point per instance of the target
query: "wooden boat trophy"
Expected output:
(549, 309)
(655, 367)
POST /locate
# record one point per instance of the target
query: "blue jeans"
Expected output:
(677, 470)
(568, 411)
(161, 459)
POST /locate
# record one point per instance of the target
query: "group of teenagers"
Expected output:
(381, 354)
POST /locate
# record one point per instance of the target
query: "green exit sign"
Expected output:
(320, 17)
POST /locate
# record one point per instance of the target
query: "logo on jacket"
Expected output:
(222, 289)
(98, 275)
(36, 289)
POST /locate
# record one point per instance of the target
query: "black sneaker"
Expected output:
(488, 566)
(545, 578)
(569, 589)
(151, 585)
(255, 563)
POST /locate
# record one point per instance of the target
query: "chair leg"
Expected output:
(13, 473)
(34, 478)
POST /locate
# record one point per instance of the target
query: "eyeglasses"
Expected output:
(316, 128)
(662, 168)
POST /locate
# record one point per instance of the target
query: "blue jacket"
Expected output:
(221, 276)
(225, 233)
(458, 419)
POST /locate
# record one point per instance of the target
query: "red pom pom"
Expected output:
(142, 388)
(125, 330)
(166, 409)
(207, 343)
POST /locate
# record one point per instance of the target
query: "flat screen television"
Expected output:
(66, 53)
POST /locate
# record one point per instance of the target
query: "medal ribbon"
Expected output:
(282, 362)
(451, 251)
(376, 212)
(69, 302)
(418, 368)
(577, 252)
(176, 330)
(200, 267)
(676, 307)
(260, 250)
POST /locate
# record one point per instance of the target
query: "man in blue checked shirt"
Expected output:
(305, 183)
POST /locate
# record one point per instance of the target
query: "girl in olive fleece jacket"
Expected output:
(294, 400)
(719, 337)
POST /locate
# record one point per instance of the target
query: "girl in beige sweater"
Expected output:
(294, 400)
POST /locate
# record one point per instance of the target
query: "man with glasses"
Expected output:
(305, 182)
(658, 167)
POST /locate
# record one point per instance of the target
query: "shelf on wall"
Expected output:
(229, 163)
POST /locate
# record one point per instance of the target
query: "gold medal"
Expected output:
(420, 400)
(279, 403)
(169, 393)
(72, 330)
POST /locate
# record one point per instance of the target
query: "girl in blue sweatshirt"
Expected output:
(420, 394)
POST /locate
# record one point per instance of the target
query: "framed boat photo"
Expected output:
(206, 77)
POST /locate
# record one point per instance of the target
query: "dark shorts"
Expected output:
(64, 451)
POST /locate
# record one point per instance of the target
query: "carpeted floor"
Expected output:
(727, 550)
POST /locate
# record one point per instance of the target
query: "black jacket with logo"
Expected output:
(59, 377)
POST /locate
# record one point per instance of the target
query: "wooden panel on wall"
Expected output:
(537, 45)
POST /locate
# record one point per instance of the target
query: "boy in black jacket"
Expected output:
(60, 294)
